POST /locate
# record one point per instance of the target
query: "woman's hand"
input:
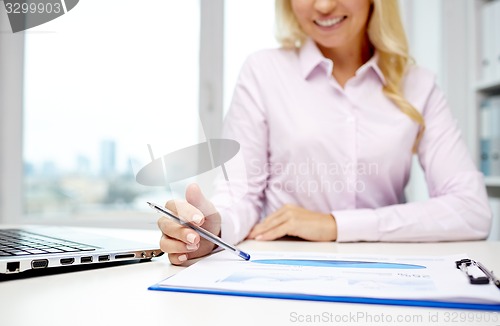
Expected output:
(296, 221)
(182, 243)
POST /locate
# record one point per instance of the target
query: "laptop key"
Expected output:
(35, 251)
(67, 249)
(53, 250)
(20, 253)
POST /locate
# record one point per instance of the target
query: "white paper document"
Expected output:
(319, 276)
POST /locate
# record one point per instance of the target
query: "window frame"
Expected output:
(11, 104)
(11, 107)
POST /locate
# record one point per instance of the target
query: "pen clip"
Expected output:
(463, 266)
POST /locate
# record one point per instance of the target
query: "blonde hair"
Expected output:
(386, 34)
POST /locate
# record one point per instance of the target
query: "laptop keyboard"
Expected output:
(14, 242)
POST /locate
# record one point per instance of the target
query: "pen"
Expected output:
(488, 273)
(202, 232)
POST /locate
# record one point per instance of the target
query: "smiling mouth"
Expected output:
(329, 22)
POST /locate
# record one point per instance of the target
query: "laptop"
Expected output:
(39, 247)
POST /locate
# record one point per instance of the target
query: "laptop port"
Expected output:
(67, 261)
(13, 267)
(39, 263)
(104, 258)
(124, 256)
(86, 259)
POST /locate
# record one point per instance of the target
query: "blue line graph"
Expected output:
(337, 263)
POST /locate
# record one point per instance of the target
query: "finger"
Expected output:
(168, 226)
(178, 232)
(178, 259)
(270, 222)
(195, 197)
(171, 206)
(171, 245)
(185, 211)
(274, 233)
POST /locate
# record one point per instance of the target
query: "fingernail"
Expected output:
(259, 237)
(191, 247)
(190, 237)
(182, 258)
(197, 218)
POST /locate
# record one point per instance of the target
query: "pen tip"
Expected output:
(244, 255)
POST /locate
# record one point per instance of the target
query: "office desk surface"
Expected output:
(118, 295)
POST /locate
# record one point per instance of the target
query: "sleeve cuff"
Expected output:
(357, 225)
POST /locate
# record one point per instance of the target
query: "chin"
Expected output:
(328, 44)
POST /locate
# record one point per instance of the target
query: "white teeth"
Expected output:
(329, 22)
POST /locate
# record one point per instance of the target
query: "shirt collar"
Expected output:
(311, 58)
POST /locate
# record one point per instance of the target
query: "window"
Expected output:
(101, 83)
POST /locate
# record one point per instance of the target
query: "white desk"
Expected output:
(118, 295)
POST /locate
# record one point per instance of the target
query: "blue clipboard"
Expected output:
(362, 300)
(410, 266)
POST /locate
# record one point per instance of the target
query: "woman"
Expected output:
(328, 125)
